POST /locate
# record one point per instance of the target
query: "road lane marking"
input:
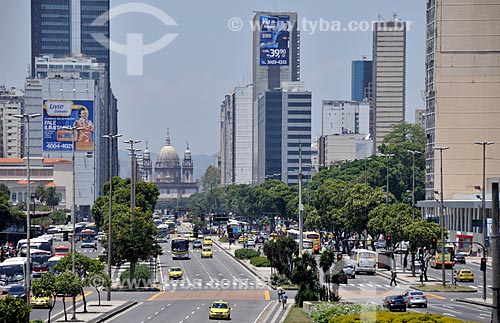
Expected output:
(155, 296)
(79, 298)
(267, 295)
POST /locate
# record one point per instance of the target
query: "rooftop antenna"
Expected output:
(394, 16)
(364, 57)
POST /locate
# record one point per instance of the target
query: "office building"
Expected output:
(420, 118)
(462, 106)
(361, 80)
(284, 128)
(275, 59)
(345, 117)
(389, 78)
(66, 27)
(11, 103)
(236, 136)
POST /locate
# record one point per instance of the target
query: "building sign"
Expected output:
(58, 115)
(274, 40)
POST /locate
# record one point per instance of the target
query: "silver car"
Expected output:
(349, 270)
(415, 298)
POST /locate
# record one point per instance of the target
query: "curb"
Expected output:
(468, 301)
(107, 315)
(244, 265)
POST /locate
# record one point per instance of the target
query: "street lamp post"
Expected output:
(73, 129)
(26, 117)
(483, 193)
(110, 137)
(441, 219)
(132, 150)
(413, 152)
(387, 178)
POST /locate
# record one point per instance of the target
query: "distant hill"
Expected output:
(201, 163)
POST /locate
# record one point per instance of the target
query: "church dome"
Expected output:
(168, 157)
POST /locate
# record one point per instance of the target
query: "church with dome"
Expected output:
(173, 179)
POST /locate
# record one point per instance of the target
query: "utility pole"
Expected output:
(483, 194)
(387, 178)
(441, 215)
(495, 252)
(413, 152)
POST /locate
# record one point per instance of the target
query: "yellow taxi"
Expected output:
(242, 239)
(175, 273)
(219, 310)
(41, 301)
(206, 252)
(207, 241)
(465, 275)
(191, 237)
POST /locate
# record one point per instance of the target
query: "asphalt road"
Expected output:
(204, 281)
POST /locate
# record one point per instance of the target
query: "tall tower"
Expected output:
(187, 166)
(65, 27)
(389, 77)
(147, 165)
(462, 89)
(361, 80)
(275, 59)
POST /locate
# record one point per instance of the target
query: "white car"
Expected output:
(250, 243)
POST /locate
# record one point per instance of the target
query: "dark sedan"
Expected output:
(395, 302)
(460, 258)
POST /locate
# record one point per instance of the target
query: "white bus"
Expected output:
(12, 272)
(52, 262)
(364, 261)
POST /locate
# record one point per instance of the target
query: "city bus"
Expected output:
(61, 251)
(307, 245)
(180, 248)
(12, 272)
(88, 238)
(307, 235)
(364, 261)
(436, 260)
(39, 261)
(35, 243)
(52, 262)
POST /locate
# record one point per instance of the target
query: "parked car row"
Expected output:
(408, 299)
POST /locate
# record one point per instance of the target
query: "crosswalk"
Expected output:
(223, 284)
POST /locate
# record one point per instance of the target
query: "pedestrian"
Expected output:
(280, 293)
(393, 278)
(455, 277)
(95, 246)
(284, 297)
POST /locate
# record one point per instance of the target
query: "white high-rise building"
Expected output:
(345, 117)
(11, 103)
(389, 77)
(236, 136)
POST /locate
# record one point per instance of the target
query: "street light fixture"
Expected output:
(441, 219)
(110, 137)
(26, 117)
(387, 178)
(483, 193)
(413, 152)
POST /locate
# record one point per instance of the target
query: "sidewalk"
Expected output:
(95, 313)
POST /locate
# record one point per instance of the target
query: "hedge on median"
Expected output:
(260, 262)
(389, 317)
(246, 253)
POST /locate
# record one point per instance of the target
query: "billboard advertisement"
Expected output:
(274, 40)
(61, 114)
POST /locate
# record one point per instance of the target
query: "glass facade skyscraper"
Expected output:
(361, 79)
(63, 27)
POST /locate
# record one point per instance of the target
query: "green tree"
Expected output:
(68, 285)
(280, 254)
(211, 178)
(133, 239)
(84, 266)
(46, 287)
(97, 280)
(305, 274)
(52, 198)
(14, 310)
(41, 193)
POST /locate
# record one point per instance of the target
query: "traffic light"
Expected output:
(434, 243)
(339, 257)
(483, 264)
(421, 254)
(388, 241)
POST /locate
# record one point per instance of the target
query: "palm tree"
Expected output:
(52, 197)
(41, 193)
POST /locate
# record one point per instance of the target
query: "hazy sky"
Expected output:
(184, 83)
